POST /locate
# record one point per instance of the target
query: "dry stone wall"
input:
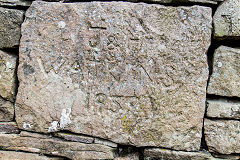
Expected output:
(130, 80)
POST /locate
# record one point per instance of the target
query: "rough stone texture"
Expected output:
(6, 110)
(105, 142)
(225, 78)
(157, 153)
(223, 108)
(11, 155)
(15, 3)
(118, 71)
(226, 20)
(10, 26)
(7, 74)
(51, 146)
(131, 156)
(8, 127)
(75, 138)
(222, 136)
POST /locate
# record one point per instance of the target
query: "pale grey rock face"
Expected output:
(8, 127)
(39, 144)
(222, 108)
(120, 71)
(10, 27)
(6, 110)
(225, 78)
(14, 3)
(222, 136)
(11, 155)
(8, 78)
(226, 20)
(157, 153)
(180, 1)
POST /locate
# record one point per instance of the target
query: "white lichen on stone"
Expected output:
(65, 117)
(61, 24)
(219, 64)
(53, 127)
(26, 125)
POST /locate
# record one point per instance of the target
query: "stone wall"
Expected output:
(123, 80)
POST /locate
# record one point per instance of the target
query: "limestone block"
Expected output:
(125, 72)
(223, 108)
(8, 76)
(6, 111)
(15, 3)
(10, 27)
(222, 136)
(225, 79)
(226, 20)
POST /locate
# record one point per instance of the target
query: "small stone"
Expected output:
(226, 20)
(105, 142)
(6, 110)
(158, 153)
(52, 146)
(8, 127)
(223, 108)
(10, 27)
(130, 156)
(75, 138)
(225, 79)
(8, 78)
(15, 3)
(222, 136)
(11, 155)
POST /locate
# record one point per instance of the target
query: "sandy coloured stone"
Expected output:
(11, 155)
(225, 79)
(223, 108)
(105, 142)
(126, 72)
(158, 153)
(10, 27)
(8, 127)
(8, 78)
(222, 136)
(56, 147)
(75, 138)
(6, 110)
(226, 20)
(14, 3)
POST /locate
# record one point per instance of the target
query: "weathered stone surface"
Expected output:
(118, 71)
(6, 110)
(10, 26)
(8, 127)
(11, 155)
(14, 3)
(225, 78)
(157, 153)
(7, 75)
(222, 136)
(105, 142)
(223, 108)
(180, 1)
(131, 156)
(75, 138)
(226, 20)
(51, 146)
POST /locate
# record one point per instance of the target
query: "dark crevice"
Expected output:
(18, 7)
(11, 50)
(215, 97)
(175, 3)
(225, 119)
(203, 146)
